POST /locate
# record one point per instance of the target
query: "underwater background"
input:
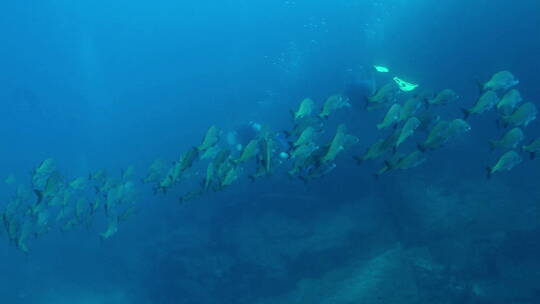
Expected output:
(113, 84)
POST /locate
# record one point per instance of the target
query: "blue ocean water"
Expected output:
(114, 84)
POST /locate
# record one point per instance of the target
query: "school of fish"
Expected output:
(50, 200)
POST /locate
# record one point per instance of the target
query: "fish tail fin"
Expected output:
(421, 147)
(358, 159)
(479, 85)
(466, 113)
(303, 179)
(426, 103)
(388, 164)
(160, 190)
(492, 144)
(291, 146)
(39, 196)
(293, 114)
(489, 172)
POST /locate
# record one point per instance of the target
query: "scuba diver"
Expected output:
(242, 134)
(238, 138)
(359, 84)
